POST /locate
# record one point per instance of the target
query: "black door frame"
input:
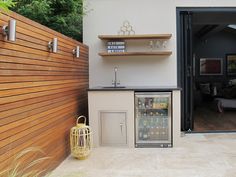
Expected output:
(179, 37)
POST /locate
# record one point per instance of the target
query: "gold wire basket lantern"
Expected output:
(80, 139)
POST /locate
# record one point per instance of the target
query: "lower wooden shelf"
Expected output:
(160, 53)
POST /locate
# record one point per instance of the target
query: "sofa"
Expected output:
(228, 101)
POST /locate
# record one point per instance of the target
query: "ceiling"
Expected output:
(206, 24)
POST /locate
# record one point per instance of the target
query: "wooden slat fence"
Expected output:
(41, 92)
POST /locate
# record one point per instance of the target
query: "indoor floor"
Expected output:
(198, 155)
(207, 118)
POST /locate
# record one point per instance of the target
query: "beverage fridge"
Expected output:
(153, 120)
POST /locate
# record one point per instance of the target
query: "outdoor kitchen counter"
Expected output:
(111, 108)
(135, 88)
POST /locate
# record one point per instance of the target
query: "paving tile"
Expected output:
(200, 155)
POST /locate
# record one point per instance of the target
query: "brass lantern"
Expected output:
(80, 139)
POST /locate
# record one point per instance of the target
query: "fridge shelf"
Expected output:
(152, 108)
(150, 117)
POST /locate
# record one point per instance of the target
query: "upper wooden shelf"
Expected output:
(159, 53)
(136, 36)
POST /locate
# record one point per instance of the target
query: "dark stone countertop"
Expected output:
(135, 88)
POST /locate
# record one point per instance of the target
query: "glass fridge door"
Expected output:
(153, 119)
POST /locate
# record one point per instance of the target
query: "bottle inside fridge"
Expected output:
(153, 119)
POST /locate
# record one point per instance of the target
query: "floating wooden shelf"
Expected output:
(158, 53)
(136, 36)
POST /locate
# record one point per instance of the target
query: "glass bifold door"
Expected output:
(153, 119)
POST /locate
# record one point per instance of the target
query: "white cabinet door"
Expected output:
(113, 128)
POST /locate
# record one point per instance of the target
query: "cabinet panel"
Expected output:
(113, 128)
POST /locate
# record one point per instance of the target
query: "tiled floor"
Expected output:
(199, 155)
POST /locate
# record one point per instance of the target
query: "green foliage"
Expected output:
(64, 16)
(36, 10)
(6, 4)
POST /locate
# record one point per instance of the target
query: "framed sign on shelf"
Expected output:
(231, 64)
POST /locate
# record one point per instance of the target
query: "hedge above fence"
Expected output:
(64, 16)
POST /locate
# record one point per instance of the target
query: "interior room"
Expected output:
(214, 71)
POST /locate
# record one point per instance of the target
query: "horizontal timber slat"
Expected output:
(34, 117)
(29, 131)
(20, 91)
(14, 129)
(19, 79)
(39, 140)
(29, 50)
(20, 116)
(14, 66)
(9, 86)
(6, 72)
(36, 105)
(29, 62)
(15, 98)
(41, 93)
(22, 103)
(22, 54)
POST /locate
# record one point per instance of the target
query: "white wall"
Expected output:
(147, 17)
